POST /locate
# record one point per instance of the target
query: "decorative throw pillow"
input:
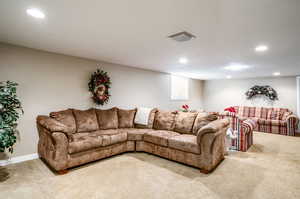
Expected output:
(164, 120)
(66, 117)
(107, 119)
(274, 115)
(184, 122)
(203, 119)
(285, 115)
(126, 118)
(150, 120)
(86, 120)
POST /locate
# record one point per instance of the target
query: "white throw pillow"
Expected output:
(142, 116)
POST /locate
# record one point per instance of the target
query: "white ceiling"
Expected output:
(134, 33)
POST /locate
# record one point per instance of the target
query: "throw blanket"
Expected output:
(142, 116)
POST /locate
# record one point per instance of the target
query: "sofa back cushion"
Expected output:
(86, 120)
(164, 120)
(107, 119)
(202, 119)
(260, 112)
(184, 122)
(274, 115)
(126, 118)
(150, 121)
(66, 117)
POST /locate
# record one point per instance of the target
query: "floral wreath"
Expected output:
(99, 86)
(262, 90)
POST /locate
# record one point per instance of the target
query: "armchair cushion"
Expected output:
(164, 120)
(187, 143)
(126, 118)
(184, 122)
(86, 120)
(107, 119)
(159, 137)
(66, 117)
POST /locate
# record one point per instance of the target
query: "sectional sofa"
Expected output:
(73, 137)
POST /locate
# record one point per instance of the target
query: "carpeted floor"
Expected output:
(270, 169)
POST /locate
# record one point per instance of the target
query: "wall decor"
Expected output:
(10, 110)
(267, 91)
(99, 86)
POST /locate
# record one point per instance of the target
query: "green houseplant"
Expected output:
(10, 108)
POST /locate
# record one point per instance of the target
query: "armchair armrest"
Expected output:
(52, 125)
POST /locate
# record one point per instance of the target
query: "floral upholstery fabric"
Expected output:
(202, 119)
(66, 117)
(184, 122)
(159, 137)
(164, 120)
(150, 121)
(126, 118)
(86, 120)
(107, 119)
(187, 143)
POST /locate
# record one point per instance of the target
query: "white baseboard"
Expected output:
(19, 159)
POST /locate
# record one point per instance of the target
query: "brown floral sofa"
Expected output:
(73, 137)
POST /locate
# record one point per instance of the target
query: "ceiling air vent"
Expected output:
(182, 36)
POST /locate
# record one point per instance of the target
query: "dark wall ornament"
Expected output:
(267, 91)
(99, 86)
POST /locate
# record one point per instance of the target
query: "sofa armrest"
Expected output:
(248, 125)
(52, 125)
(293, 119)
(207, 135)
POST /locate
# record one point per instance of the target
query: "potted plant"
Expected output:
(10, 110)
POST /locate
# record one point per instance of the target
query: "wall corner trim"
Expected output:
(19, 159)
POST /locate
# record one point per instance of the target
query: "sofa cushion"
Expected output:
(110, 139)
(126, 118)
(274, 115)
(84, 141)
(66, 117)
(271, 122)
(164, 120)
(159, 137)
(134, 134)
(107, 119)
(184, 122)
(150, 121)
(202, 119)
(86, 120)
(187, 143)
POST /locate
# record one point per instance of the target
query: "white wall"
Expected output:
(51, 82)
(219, 94)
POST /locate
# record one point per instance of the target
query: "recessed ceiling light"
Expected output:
(261, 48)
(35, 13)
(228, 77)
(183, 60)
(276, 73)
(236, 67)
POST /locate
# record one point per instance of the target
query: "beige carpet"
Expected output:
(270, 169)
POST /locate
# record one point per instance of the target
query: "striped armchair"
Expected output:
(270, 120)
(244, 128)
